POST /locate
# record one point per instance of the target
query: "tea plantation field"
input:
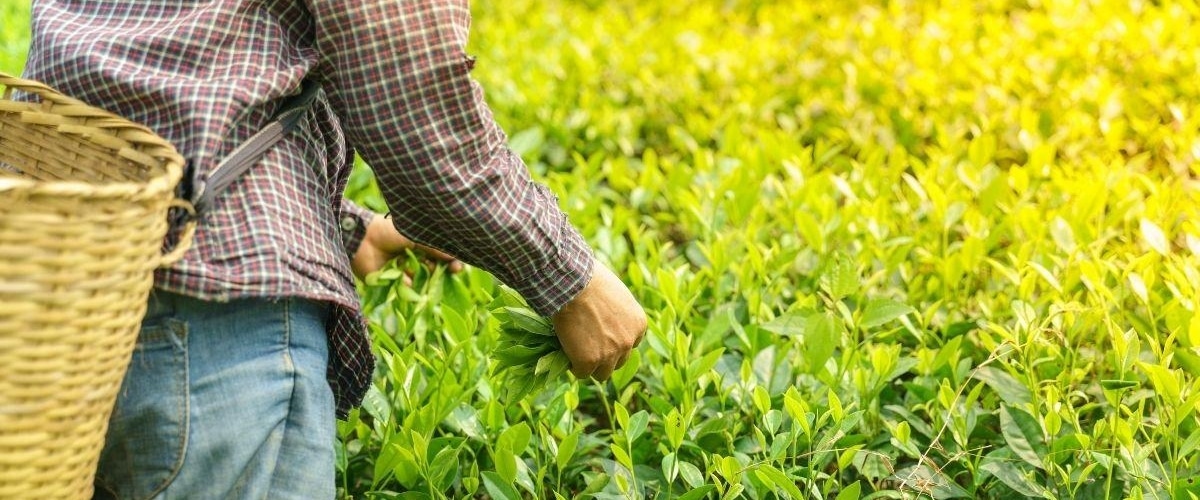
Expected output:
(889, 249)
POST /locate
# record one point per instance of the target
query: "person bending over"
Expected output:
(255, 340)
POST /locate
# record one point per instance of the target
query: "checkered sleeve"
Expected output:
(399, 78)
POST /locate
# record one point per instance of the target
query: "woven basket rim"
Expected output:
(83, 122)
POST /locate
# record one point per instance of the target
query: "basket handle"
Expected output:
(43, 91)
(185, 238)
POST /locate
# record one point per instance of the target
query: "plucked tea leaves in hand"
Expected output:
(528, 355)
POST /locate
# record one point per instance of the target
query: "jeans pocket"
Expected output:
(147, 433)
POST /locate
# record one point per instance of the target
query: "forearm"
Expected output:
(511, 227)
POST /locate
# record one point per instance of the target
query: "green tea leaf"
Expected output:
(621, 377)
(810, 230)
(1187, 488)
(691, 474)
(388, 458)
(566, 450)
(637, 425)
(465, 419)
(553, 364)
(377, 405)
(698, 493)
(841, 279)
(1116, 384)
(706, 363)
(674, 427)
(1187, 359)
(821, 338)
(789, 324)
(1012, 476)
(881, 311)
(528, 355)
(456, 325)
(931, 482)
(669, 467)
(1011, 390)
(498, 488)
(527, 142)
(443, 468)
(1023, 435)
(518, 355)
(516, 438)
(405, 467)
(529, 321)
(761, 399)
(506, 463)
(776, 478)
(621, 456)
(852, 492)
(1154, 237)
(1063, 235)
(1163, 379)
(595, 484)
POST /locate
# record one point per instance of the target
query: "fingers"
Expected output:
(599, 371)
(604, 372)
(600, 326)
(581, 371)
(602, 366)
(383, 235)
(453, 266)
(621, 361)
(435, 256)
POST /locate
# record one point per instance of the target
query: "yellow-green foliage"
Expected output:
(776, 177)
(14, 35)
(893, 248)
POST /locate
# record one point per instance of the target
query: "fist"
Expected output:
(600, 326)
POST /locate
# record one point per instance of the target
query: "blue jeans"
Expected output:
(224, 400)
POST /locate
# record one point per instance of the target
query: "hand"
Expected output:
(600, 326)
(383, 243)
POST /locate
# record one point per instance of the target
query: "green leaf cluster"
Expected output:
(888, 249)
(528, 355)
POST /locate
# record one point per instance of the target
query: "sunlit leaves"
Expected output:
(1154, 237)
(528, 355)
(1011, 390)
(887, 249)
(1023, 434)
(971, 225)
(882, 311)
(822, 334)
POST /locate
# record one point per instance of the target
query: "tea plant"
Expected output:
(14, 35)
(888, 249)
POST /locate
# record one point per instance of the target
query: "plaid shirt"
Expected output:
(207, 75)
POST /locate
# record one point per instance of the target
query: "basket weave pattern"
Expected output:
(84, 197)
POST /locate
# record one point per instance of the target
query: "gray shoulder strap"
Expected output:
(248, 153)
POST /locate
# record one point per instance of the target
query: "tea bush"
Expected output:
(889, 249)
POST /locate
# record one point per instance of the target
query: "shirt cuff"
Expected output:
(569, 272)
(352, 225)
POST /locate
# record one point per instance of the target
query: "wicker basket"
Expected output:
(84, 197)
